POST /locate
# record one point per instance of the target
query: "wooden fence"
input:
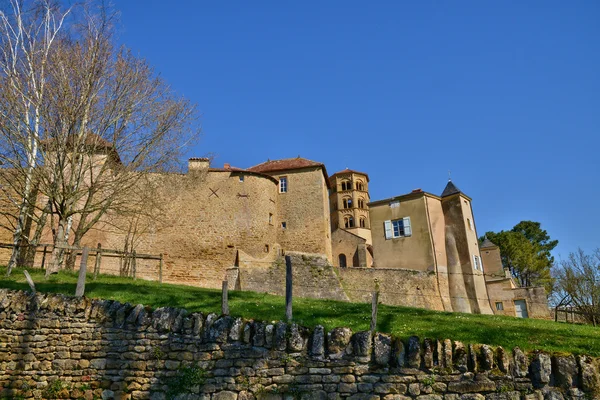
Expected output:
(125, 258)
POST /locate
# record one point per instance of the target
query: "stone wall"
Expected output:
(312, 275)
(53, 346)
(398, 287)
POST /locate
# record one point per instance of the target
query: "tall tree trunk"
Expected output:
(57, 253)
(37, 235)
(19, 229)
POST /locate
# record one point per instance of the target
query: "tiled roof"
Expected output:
(450, 189)
(350, 171)
(284, 164)
(487, 243)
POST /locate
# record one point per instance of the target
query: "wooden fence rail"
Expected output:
(99, 253)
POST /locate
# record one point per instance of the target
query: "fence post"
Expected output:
(374, 303)
(133, 266)
(98, 260)
(288, 288)
(224, 300)
(160, 267)
(29, 281)
(82, 270)
(44, 257)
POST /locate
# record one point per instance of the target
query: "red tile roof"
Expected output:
(285, 164)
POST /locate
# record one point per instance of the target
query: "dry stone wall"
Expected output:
(54, 346)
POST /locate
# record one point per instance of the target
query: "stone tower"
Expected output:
(468, 292)
(348, 201)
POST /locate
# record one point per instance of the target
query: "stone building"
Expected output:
(419, 249)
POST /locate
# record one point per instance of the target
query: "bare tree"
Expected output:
(579, 279)
(105, 121)
(28, 34)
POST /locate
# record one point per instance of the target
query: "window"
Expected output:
(241, 178)
(470, 223)
(361, 203)
(362, 222)
(348, 222)
(346, 185)
(283, 184)
(499, 306)
(342, 260)
(397, 228)
(476, 263)
(266, 248)
(270, 219)
(394, 204)
(359, 186)
(347, 202)
(283, 225)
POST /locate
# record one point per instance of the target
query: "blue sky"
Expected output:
(504, 94)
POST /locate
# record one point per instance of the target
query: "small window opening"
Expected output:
(499, 306)
(283, 186)
(346, 185)
(270, 219)
(362, 222)
(359, 186)
(266, 248)
(283, 225)
(342, 260)
(241, 178)
(349, 222)
(347, 203)
(361, 203)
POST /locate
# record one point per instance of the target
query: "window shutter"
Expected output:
(407, 229)
(388, 229)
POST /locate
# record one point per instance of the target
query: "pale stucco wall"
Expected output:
(410, 252)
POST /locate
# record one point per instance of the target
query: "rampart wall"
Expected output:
(54, 346)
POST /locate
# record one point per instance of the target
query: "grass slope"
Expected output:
(529, 334)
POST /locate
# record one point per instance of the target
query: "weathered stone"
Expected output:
(487, 356)
(198, 325)
(134, 314)
(363, 396)
(414, 389)
(445, 358)
(521, 363)
(236, 330)
(219, 330)
(502, 360)
(541, 368)
(471, 386)
(163, 319)
(565, 371)
(258, 333)
(225, 395)
(472, 360)
(503, 396)
(208, 322)
(590, 380)
(247, 332)
(427, 353)
(399, 353)
(361, 344)
(382, 348)
(269, 331)
(414, 352)
(460, 357)
(430, 397)
(553, 395)
(338, 339)
(314, 395)
(279, 338)
(296, 340)
(317, 342)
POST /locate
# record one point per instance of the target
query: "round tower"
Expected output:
(348, 201)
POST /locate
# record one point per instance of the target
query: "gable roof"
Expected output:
(286, 164)
(450, 189)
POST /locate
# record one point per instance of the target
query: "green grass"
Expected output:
(529, 334)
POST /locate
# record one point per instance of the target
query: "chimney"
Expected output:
(196, 164)
(226, 166)
(418, 190)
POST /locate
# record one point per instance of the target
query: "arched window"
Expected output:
(347, 202)
(349, 222)
(342, 260)
(346, 185)
(359, 185)
(362, 222)
(361, 203)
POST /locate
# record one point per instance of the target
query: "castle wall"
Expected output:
(350, 245)
(312, 276)
(398, 287)
(410, 252)
(305, 210)
(492, 263)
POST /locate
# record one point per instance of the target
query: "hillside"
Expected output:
(508, 332)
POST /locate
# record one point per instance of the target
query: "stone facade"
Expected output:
(216, 221)
(53, 346)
